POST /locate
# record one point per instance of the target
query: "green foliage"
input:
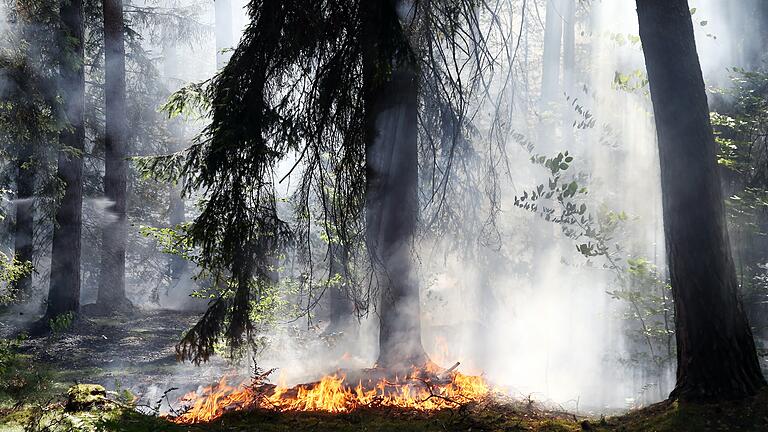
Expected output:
(165, 168)
(635, 81)
(191, 101)
(650, 297)
(740, 125)
(11, 270)
(124, 395)
(741, 128)
(622, 39)
(19, 376)
(561, 200)
(61, 323)
(172, 241)
(649, 311)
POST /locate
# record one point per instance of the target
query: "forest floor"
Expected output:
(135, 356)
(750, 415)
(133, 353)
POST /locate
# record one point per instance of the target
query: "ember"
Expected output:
(419, 391)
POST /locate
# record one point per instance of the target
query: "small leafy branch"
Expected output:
(563, 201)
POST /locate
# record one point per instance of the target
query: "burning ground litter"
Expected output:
(420, 390)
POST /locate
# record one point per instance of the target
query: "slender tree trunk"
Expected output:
(569, 69)
(749, 20)
(341, 307)
(716, 357)
(224, 33)
(112, 277)
(64, 293)
(25, 188)
(553, 34)
(177, 214)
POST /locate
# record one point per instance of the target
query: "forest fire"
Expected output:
(419, 390)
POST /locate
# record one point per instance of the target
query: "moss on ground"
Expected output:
(746, 415)
(369, 420)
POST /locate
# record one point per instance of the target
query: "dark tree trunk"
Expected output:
(112, 277)
(392, 214)
(178, 211)
(64, 294)
(341, 307)
(391, 190)
(23, 241)
(716, 357)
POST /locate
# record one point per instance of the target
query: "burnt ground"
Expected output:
(134, 353)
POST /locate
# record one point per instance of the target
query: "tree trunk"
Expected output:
(553, 34)
(569, 70)
(177, 214)
(716, 357)
(223, 28)
(391, 189)
(341, 307)
(112, 277)
(24, 235)
(391, 217)
(64, 293)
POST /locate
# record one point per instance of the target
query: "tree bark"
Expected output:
(24, 235)
(64, 293)
(391, 189)
(392, 214)
(716, 357)
(111, 294)
(341, 307)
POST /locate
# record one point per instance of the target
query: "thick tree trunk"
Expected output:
(716, 357)
(23, 241)
(391, 216)
(64, 293)
(112, 277)
(391, 190)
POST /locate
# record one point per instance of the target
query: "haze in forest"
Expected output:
(501, 208)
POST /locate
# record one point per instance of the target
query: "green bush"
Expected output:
(19, 378)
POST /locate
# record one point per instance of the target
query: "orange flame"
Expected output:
(333, 395)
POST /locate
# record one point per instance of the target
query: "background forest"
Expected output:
(196, 190)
